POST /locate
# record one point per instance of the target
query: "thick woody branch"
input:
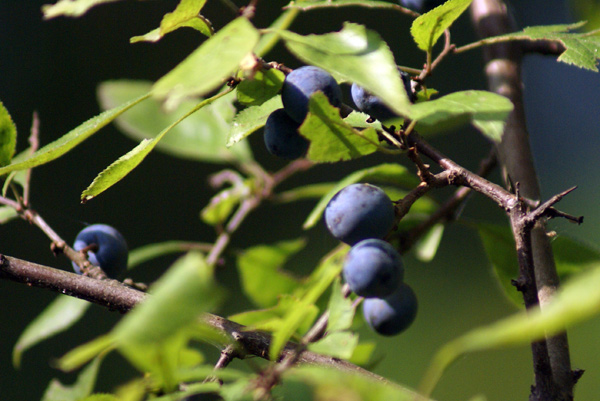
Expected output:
(503, 63)
(116, 296)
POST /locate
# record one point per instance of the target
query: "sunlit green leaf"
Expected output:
(8, 137)
(269, 40)
(486, 110)
(70, 8)
(187, 14)
(82, 388)
(209, 66)
(84, 353)
(68, 141)
(427, 246)
(341, 311)
(272, 319)
(7, 213)
(331, 138)
(581, 49)
(126, 163)
(259, 88)
(263, 280)
(251, 119)
(340, 344)
(58, 316)
(576, 301)
(354, 54)
(178, 297)
(386, 173)
(428, 28)
(201, 136)
(343, 385)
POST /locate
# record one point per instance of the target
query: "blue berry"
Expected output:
(111, 252)
(373, 268)
(359, 211)
(391, 315)
(282, 138)
(373, 106)
(301, 83)
(421, 6)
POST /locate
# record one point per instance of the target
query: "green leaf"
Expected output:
(499, 245)
(310, 191)
(102, 397)
(343, 385)
(571, 257)
(178, 298)
(187, 14)
(7, 213)
(359, 120)
(329, 268)
(357, 55)
(209, 66)
(82, 388)
(70, 8)
(581, 49)
(332, 139)
(428, 28)
(126, 163)
(272, 319)
(486, 110)
(222, 204)
(152, 251)
(576, 301)
(8, 136)
(84, 353)
(201, 136)
(58, 316)
(68, 141)
(341, 311)
(387, 173)
(262, 279)
(259, 88)
(340, 344)
(427, 246)
(251, 119)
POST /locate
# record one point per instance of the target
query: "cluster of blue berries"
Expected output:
(105, 247)
(281, 129)
(362, 215)
(281, 135)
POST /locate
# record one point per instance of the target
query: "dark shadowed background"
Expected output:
(53, 67)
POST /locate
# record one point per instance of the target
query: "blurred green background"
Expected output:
(53, 67)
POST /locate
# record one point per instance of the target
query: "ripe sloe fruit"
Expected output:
(391, 315)
(373, 106)
(111, 252)
(421, 6)
(282, 138)
(373, 268)
(301, 83)
(359, 211)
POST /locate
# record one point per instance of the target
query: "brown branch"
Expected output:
(490, 18)
(116, 296)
